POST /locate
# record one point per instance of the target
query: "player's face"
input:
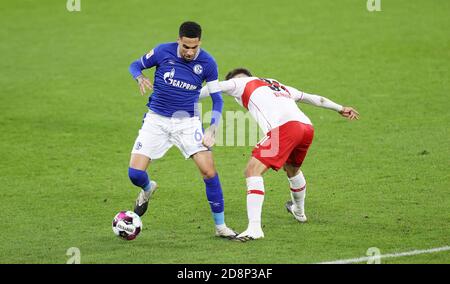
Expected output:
(188, 47)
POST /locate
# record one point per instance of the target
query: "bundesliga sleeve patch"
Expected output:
(148, 55)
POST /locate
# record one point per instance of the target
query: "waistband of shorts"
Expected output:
(289, 124)
(172, 119)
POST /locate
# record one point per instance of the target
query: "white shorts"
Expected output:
(159, 133)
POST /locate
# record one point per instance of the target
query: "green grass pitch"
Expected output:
(69, 114)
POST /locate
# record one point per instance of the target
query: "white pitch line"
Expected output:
(390, 255)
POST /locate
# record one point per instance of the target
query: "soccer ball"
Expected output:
(127, 225)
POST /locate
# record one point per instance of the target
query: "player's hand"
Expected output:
(209, 139)
(144, 83)
(349, 113)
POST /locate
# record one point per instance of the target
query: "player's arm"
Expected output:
(146, 61)
(323, 102)
(215, 92)
(217, 102)
(227, 88)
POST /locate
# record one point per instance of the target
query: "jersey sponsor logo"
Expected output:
(198, 69)
(168, 78)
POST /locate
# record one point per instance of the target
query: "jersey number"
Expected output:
(198, 135)
(275, 86)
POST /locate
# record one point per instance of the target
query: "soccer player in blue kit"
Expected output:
(172, 118)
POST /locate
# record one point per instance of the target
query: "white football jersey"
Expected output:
(270, 103)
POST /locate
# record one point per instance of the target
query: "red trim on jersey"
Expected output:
(299, 189)
(250, 87)
(253, 191)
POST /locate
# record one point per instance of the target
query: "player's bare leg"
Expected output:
(205, 163)
(255, 199)
(297, 183)
(138, 176)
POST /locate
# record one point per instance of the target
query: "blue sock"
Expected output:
(215, 199)
(139, 178)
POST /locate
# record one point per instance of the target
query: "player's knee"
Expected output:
(138, 177)
(250, 171)
(208, 173)
(291, 170)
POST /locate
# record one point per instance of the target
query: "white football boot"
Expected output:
(250, 234)
(143, 198)
(225, 232)
(291, 208)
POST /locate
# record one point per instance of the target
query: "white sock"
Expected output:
(298, 192)
(255, 199)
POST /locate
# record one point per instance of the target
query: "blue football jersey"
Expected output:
(177, 82)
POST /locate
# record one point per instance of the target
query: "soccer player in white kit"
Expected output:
(289, 133)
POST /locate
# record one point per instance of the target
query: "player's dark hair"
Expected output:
(190, 30)
(237, 71)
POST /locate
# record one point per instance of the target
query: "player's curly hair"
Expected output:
(237, 71)
(190, 30)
